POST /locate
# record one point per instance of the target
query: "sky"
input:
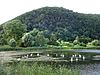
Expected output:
(9, 9)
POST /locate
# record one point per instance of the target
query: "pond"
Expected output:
(90, 68)
(86, 61)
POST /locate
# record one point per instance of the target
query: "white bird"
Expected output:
(38, 54)
(62, 55)
(73, 55)
(56, 55)
(71, 59)
(83, 57)
(76, 59)
(80, 56)
(25, 57)
(48, 55)
(18, 59)
(31, 55)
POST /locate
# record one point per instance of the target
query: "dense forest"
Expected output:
(67, 23)
(51, 25)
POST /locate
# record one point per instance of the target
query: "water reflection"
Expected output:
(87, 68)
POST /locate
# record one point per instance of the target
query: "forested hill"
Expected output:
(66, 23)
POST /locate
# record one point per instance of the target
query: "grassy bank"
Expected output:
(35, 69)
(8, 48)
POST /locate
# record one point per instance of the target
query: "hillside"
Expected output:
(65, 23)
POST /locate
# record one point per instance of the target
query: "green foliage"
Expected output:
(82, 44)
(12, 42)
(76, 41)
(94, 43)
(2, 40)
(63, 43)
(34, 38)
(53, 39)
(27, 40)
(40, 40)
(84, 39)
(14, 29)
(47, 25)
(34, 32)
(36, 69)
(77, 46)
(67, 23)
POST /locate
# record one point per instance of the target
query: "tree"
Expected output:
(95, 43)
(12, 42)
(67, 23)
(27, 40)
(53, 39)
(76, 41)
(14, 29)
(64, 43)
(2, 40)
(34, 32)
(85, 40)
(40, 40)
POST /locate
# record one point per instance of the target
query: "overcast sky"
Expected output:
(12, 8)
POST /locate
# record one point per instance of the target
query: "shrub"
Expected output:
(93, 43)
(77, 46)
(40, 39)
(27, 40)
(3, 41)
(82, 44)
(12, 42)
(75, 42)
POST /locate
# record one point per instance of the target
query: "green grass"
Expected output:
(8, 48)
(35, 69)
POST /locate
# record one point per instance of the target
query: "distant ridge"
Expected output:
(67, 23)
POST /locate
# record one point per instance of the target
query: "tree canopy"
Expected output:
(49, 24)
(66, 23)
(14, 29)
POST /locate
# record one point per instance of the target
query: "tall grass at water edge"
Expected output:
(35, 69)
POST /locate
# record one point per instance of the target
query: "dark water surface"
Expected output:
(90, 67)
(87, 68)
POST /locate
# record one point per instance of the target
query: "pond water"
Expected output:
(86, 67)
(90, 67)
(88, 51)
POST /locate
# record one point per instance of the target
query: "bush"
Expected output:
(77, 46)
(12, 42)
(82, 44)
(3, 41)
(27, 40)
(75, 42)
(94, 43)
(40, 39)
